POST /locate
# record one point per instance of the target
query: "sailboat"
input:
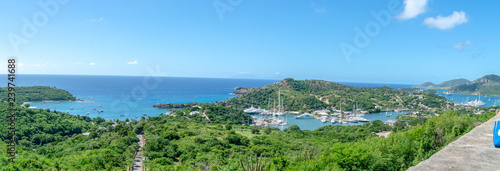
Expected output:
(387, 115)
(353, 119)
(357, 117)
(333, 120)
(476, 103)
(323, 119)
(279, 113)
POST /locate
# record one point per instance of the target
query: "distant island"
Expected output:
(486, 85)
(444, 85)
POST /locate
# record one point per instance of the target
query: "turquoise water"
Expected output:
(312, 124)
(133, 96)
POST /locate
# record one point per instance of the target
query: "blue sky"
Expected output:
(424, 40)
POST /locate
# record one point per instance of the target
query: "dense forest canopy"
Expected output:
(51, 140)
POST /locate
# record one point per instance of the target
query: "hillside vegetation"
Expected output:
(487, 85)
(302, 95)
(36, 93)
(49, 140)
(449, 84)
(178, 143)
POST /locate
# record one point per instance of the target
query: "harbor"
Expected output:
(312, 124)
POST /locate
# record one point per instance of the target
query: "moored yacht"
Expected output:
(333, 120)
(305, 116)
(323, 119)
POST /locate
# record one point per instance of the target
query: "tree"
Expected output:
(255, 130)
(229, 127)
(267, 130)
(99, 120)
(292, 128)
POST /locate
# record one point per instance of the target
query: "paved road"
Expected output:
(139, 157)
(472, 151)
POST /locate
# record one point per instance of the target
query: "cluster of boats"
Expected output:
(276, 114)
(98, 111)
(269, 121)
(474, 103)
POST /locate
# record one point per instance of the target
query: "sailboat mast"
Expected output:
(274, 106)
(279, 100)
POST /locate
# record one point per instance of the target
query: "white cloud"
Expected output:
(413, 8)
(96, 20)
(277, 73)
(132, 63)
(77, 63)
(318, 9)
(92, 64)
(21, 64)
(445, 23)
(244, 72)
(462, 45)
(35, 65)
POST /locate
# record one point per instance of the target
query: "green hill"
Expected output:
(487, 85)
(302, 95)
(424, 85)
(451, 83)
(51, 140)
(36, 93)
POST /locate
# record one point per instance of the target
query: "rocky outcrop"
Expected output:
(171, 106)
(244, 90)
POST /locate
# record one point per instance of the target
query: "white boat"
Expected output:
(360, 119)
(305, 116)
(252, 110)
(352, 120)
(323, 119)
(333, 120)
(145, 114)
(32, 107)
(476, 103)
(71, 108)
